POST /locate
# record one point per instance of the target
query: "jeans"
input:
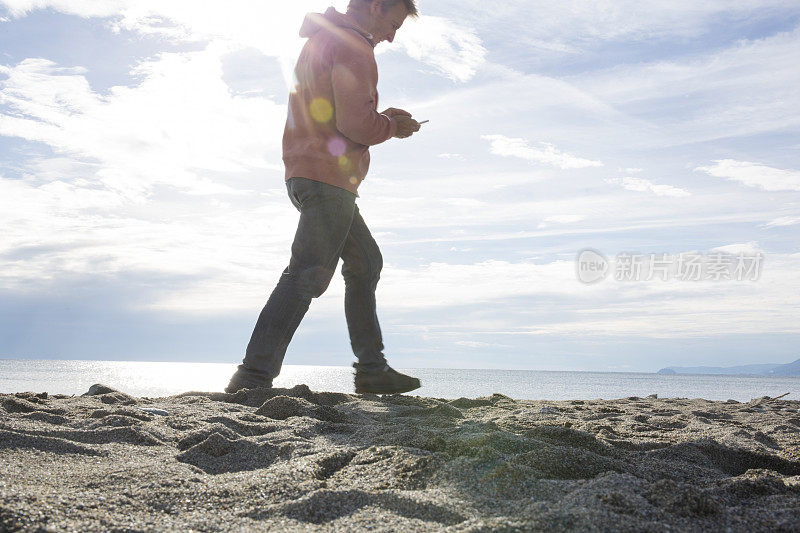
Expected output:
(330, 227)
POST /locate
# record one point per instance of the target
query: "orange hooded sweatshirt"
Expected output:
(333, 117)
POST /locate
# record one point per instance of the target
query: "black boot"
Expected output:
(244, 378)
(384, 381)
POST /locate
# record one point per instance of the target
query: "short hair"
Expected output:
(411, 5)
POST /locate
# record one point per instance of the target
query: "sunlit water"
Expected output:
(164, 379)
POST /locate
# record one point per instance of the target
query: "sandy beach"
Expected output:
(294, 459)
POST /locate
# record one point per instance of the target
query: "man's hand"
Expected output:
(393, 112)
(406, 126)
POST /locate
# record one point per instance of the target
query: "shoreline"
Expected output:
(166, 379)
(293, 459)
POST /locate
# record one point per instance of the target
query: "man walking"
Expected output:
(331, 123)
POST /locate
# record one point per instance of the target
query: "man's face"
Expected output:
(386, 23)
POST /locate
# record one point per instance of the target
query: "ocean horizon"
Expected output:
(157, 379)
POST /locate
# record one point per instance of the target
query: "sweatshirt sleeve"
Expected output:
(354, 99)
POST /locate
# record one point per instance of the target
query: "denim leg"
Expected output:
(361, 268)
(326, 213)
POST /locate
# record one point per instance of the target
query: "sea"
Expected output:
(157, 379)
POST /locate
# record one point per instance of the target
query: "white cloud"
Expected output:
(547, 154)
(192, 153)
(536, 107)
(464, 202)
(643, 185)
(179, 126)
(439, 285)
(560, 219)
(453, 49)
(136, 184)
(550, 301)
(84, 8)
(272, 28)
(267, 27)
(754, 175)
(743, 89)
(784, 221)
(579, 23)
(480, 344)
(56, 231)
(748, 248)
(516, 203)
(564, 219)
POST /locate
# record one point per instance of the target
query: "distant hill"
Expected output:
(789, 369)
(769, 369)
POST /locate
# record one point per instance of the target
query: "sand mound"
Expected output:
(217, 454)
(283, 407)
(292, 459)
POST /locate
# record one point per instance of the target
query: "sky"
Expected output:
(144, 214)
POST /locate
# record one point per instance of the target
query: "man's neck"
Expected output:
(362, 18)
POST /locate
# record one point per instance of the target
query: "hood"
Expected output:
(316, 22)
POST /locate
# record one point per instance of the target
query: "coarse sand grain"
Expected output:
(296, 459)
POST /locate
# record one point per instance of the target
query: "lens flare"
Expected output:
(344, 163)
(321, 109)
(337, 147)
